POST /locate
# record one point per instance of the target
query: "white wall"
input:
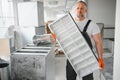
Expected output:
(102, 11)
(49, 14)
(30, 14)
(116, 73)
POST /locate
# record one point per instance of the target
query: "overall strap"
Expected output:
(86, 26)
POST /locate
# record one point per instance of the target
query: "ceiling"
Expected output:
(55, 5)
(59, 5)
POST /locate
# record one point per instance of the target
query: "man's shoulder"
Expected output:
(92, 22)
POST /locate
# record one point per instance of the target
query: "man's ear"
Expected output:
(86, 10)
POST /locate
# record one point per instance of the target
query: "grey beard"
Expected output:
(82, 16)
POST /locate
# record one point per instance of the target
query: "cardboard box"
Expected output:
(4, 48)
(47, 30)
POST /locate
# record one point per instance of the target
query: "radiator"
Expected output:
(33, 63)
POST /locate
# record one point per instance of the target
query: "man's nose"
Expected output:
(79, 10)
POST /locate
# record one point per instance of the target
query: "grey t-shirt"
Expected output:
(91, 30)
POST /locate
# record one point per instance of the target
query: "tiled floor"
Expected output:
(60, 68)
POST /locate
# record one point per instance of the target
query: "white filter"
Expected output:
(74, 46)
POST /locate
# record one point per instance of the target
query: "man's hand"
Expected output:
(101, 63)
(53, 36)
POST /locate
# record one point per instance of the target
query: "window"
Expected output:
(6, 16)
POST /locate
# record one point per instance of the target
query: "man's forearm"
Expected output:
(99, 50)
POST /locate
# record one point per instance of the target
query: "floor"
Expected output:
(60, 68)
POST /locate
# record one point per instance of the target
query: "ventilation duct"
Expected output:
(53, 3)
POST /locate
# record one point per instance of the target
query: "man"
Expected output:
(93, 32)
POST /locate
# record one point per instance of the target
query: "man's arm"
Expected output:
(98, 43)
(99, 47)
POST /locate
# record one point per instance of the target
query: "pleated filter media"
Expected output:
(76, 49)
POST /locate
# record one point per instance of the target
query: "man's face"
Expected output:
(80, 10)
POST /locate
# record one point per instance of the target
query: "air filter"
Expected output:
(75, 47)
